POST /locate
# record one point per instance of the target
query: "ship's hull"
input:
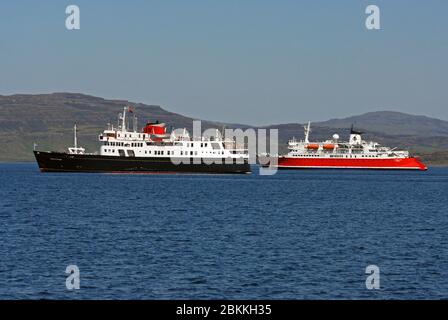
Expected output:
(409, 163)
(65, 162)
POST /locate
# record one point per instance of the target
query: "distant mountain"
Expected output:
(392, 123)
(419, 134)
(48, 119)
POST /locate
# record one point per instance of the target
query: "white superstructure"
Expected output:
(355, 148)
(154, 141)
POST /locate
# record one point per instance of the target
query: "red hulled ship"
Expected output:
(354, 154)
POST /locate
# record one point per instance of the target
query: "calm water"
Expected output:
(295, 235)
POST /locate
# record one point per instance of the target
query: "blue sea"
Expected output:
(293, 235)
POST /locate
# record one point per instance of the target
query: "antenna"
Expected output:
(75, 139)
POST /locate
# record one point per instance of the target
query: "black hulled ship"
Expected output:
(152, 150)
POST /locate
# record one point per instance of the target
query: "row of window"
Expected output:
(140, 144)
(122, 144)
(141, 135)
(337, 156)
(307, 155)
(355, 156)
(168, 152)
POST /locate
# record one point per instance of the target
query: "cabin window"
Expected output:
(131, 153)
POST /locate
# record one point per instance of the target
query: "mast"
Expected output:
(307, 132)
(123, 118)
(75, 139)
(75, 149)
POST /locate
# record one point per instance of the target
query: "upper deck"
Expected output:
(356, 147)
(154, 141)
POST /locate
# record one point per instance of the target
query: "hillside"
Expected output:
(393, 123)
(48, 119)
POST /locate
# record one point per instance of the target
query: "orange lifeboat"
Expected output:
(329, 146)
(312, 146)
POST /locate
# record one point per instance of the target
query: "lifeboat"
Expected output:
(312, 146)
(329, 146)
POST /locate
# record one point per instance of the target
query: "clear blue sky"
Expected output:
(247, 61)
